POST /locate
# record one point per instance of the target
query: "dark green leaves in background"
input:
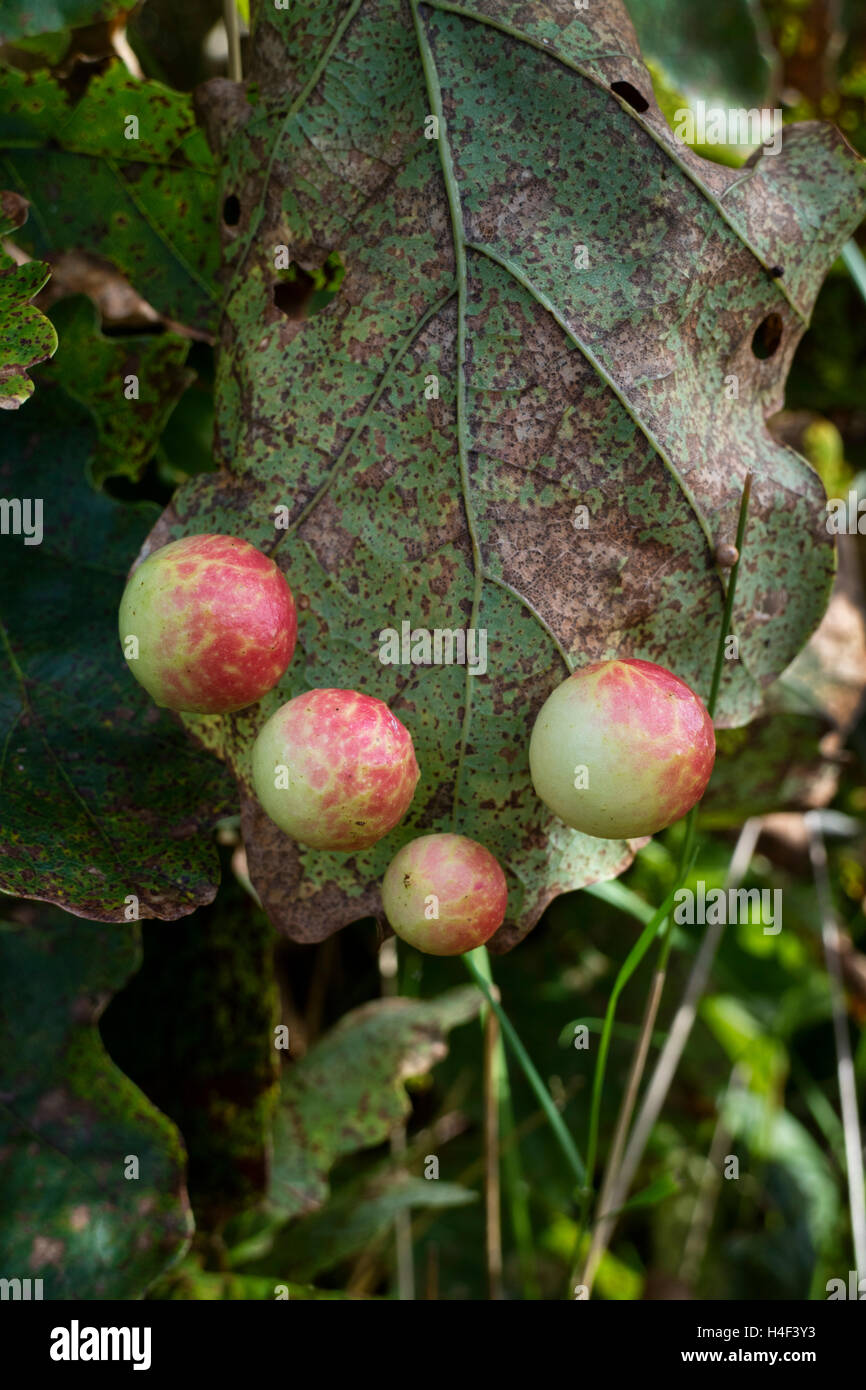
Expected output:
(130, 385)
(25, 19)
(104, 797)
(94, 1202)
(136, 152)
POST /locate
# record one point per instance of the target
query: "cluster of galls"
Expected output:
(620, 749)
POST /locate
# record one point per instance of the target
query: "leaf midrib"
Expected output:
(461, 245)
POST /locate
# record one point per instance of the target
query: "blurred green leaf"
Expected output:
(348, 1092)
(71, 1122)
(190, 1282)
(51, 48)
(653, 1194)
(150, 181)
(763, 1058)
(614, 1279)
(96, 371)
(824, 447)
(618, 895)
(354, 1221)
(186, 444)
(782, 1139)
(26, 18)
(719, 54)
(104, 796)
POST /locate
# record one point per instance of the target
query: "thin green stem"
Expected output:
(678, 1033)
(518, 1205)
(545, 1100)
(515, 1185)
(629, 966)
(687, 858)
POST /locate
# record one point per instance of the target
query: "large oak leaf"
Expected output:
(549, 304)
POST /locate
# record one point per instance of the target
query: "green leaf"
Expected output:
(352, 1222)
(186, 444)
(347, 1092)
(626, 1031)
(762, 1059)
(24, 18)
(778, 1136)
(96, 370)
(653, 1194)
(191, 1283)
(150, 188)
(103, 795)
(51, 49)
(715, 56)
(70, 1123)
(717, 53)
(605, 386)
(26, 335)
(618, 895)
(615, 1278)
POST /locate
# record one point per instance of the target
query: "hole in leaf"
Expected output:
(775, 271)
(232, 210)
(630, 94)
(76, 80)
(300, 294)
(293, 293)
(767, 337)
